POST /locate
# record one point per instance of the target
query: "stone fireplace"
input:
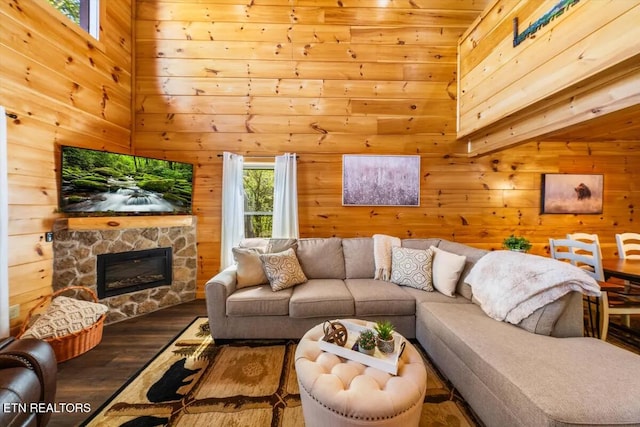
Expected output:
(76, 254)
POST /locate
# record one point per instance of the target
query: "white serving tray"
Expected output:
(379, 360)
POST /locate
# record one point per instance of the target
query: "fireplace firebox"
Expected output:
(124, 272)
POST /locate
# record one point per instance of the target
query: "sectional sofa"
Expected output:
(541, 372)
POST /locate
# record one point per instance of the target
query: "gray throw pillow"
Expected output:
(412, 267)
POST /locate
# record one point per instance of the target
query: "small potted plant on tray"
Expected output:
(516, 243)
(385, 340)
(367, 342)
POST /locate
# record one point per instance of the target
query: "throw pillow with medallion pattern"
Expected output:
(412, 267)
(282, 269)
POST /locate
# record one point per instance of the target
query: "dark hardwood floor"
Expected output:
(125, 348)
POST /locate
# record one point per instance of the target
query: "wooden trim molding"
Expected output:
(120, 222)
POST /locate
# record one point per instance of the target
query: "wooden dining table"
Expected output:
(627, 269)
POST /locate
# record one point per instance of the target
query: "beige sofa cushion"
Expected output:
(259, 301)
(321, 258)
(422, 296)
(378, 298)
(281, 245)
(420, 243)
(358, 257)
(543, 320)
(324, 298)
(254, 242)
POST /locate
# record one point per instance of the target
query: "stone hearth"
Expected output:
(75, 253)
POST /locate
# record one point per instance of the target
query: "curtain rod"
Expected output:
(259, 157)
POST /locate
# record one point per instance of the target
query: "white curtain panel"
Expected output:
(285, 197)
(232, 206)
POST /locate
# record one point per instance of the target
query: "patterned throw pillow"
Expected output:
(282, 269)
(65, 316)
(412, 267)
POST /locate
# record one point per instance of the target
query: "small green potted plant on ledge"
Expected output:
(516, 243)
(385, 340)
(367, 342)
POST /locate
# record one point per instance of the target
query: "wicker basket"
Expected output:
(76, 343)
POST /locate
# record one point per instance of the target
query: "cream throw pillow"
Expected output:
(249, 271)
(447, 268)
(282, 269)
(412, 267)
(65, 316)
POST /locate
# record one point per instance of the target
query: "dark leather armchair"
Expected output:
(28, 370)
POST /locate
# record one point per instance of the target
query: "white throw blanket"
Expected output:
(512, 285)
(382, 245)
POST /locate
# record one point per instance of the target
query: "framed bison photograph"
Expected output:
(369, 180)
(572, 193)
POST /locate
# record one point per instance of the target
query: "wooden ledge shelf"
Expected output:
(121, 222)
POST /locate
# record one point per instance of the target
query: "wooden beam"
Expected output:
(598, 98)
(121, 222)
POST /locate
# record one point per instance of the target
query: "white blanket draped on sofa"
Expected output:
(511, 285)
(382, 245)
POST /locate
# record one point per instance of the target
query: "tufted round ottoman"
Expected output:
(340, 392)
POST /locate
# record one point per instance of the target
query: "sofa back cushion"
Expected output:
(321, 258)
(358, 257)
(420, 243)
(543, 320)
(254, 242)
(472, 254)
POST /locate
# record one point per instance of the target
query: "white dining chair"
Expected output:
(585, 255)
(586, 238)
(628, 245)
(628, 248)
(579, 253)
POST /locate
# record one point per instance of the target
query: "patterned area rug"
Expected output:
(195, 381)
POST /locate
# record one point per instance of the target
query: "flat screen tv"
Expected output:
(101, 183)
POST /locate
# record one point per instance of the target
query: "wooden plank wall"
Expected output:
(318, 78)
(581, 65)
(326, 78)
(63, 87)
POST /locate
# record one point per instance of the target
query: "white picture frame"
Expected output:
(380, 180)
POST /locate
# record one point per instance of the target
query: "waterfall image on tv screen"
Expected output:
(101, 182)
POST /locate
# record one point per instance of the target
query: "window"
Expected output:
(258, 199)
(85, 13)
